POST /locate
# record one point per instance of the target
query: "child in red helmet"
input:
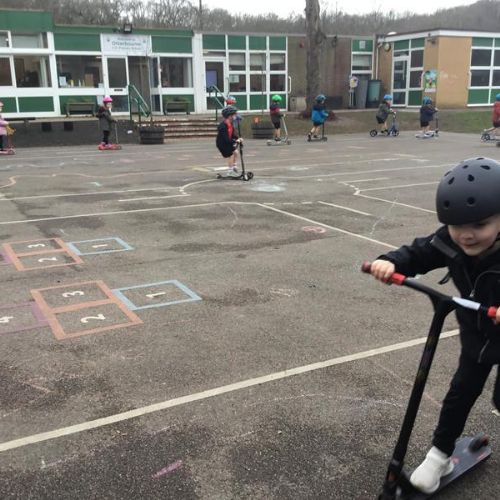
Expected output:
(105, 119)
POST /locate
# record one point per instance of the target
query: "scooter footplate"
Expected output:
(464, 459)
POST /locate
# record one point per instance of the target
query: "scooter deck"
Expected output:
(7, 152)
(246, 176)
(114, 147)
(464, 459)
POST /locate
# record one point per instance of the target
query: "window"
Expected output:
(237, 62)
(5, 73)
(79, 71)
(361, 62)
(237, 83)
(417, 59)
(4, 39)
(29, 41)
(32, 71)
(496, 58)
(277, 62)
(496, 78)
(258, 83)
(480, 78)
(117, 73)
(277, 83)
(481, 57)
(416, 79)
(257, 62)
(176, 72)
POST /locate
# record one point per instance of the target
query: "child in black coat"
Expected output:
(468, 204)
(227, 139)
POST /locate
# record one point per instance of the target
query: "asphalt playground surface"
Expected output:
(167, 335)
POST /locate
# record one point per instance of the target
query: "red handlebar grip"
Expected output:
(492, 312)
(395, 279)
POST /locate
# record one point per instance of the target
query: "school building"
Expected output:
(455, 68)
(49, 70)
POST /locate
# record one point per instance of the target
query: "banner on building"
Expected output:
(430, 80)
(126, 45)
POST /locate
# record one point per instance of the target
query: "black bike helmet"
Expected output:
(470, 192)
(228, 111)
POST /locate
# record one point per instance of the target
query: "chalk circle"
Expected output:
(265, 187)
(314, 229)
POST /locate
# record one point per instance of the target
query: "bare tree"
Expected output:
(315, 38)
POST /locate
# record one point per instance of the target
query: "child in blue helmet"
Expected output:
(427, 112)
(319, 115)
(384, 110)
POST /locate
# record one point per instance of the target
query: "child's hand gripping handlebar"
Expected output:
(402, 280)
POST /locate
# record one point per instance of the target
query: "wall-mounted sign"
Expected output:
(430, 80)
(126, 45)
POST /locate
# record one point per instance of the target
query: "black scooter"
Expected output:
(244, 176)
(319, 138)
(469, 451)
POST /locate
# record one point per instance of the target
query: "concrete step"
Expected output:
(170, 135)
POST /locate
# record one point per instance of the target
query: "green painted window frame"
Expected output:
(277, 43)
(237, 42)
(9, 104)
(402, 45)
(77, 42)
(478, 96)
(482, 42)
(39, 104)
(417, 43)
(214, 42)
(355, 46)
(171, 44)
(257, 42)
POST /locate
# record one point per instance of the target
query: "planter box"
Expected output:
(152, 135)
(262, 130)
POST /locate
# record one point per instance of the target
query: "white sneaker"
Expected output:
(427, 476)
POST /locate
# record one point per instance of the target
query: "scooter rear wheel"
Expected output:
(479, 441)
(373, 133)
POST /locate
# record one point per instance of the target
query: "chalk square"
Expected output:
(99, 246)
(33, 247)
(91, 320)
(67, 296)
(54, 259)
(20, 317)
(161, 294)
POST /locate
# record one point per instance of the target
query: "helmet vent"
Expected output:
(486, 167)
(465, 166)
(470, 178)
(471, 201)
(451, 180)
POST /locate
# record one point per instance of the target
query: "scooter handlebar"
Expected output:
(399, 279)
(395, 278)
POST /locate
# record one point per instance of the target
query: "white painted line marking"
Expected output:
(366, 180)
(89, 193)
(346, 208)
(155, 197)
(393, 202)
(153, 295)
(333, 228)
(104, 245)
(399, 186)
(199, 396)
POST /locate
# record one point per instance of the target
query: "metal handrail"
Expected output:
(142, 106)
(217, 92)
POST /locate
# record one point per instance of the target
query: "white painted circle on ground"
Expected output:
(265, 187)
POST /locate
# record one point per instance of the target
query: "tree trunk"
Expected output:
(315, 38)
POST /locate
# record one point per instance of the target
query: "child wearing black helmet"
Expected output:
(468, 243)
(227, 139)
(319, 115)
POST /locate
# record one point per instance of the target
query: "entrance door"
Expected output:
(117, 81)
(215, 75)
(400, 81)
(138, 68)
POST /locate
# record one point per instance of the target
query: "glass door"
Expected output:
(400, 81)
(117, 82)
(215, 76)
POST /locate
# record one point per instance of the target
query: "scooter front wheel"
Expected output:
(373, 133)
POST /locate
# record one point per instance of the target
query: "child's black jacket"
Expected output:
(224, 143)
(477, 279)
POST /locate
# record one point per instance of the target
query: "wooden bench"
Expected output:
(80, 106)
(176, 107)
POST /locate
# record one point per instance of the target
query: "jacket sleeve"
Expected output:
(418, 258)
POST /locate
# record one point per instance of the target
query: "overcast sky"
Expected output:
(285, 7)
